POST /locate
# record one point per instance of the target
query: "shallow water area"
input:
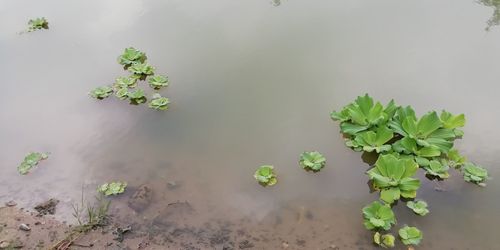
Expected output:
(251, 83)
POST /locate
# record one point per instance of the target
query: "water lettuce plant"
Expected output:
(122, 93)
(158, 102)
(30, 161)
(410, 235)
(158, 81)
(404, 143)
(137, 96)
(101, 92)
(437, 169)
(418, 206)
(475, 174)
(394, 178)
(112, 188)
(142, 69)
(313, 161)
(265, 175)
(37, 24)
(131, 56)
(125, 82)
(378, 216)
(384, 240)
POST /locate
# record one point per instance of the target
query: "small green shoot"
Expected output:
(158, 102)
(265, 175)
(418, 206)
(410, 235)
(313, 161)
(30, 161)
(378, 216)
(384, 240)
(158, 81)
(101, 92)
(112, 188)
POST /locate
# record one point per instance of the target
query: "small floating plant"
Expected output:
(313, 161)
(265, 175)
(112, 188)
(403, 143)
(125, 87)
(37, 24)
(30, 161)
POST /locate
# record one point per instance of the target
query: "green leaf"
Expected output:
(112, 188)
(452, 121)
(122, 93)
(429, 123)
(390, 195)
(410, 235)
(455, 159)
(418, 206)
(30, 161)
(313, 161)
(265, 175)
(375, 140)
(125, 82)
(352, 129)
(378, 216)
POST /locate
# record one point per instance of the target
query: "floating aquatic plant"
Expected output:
(30, 161)
(137, 96)
(158, 102)
(410, 235)
(158, 81)
(37, 24)
(122, 93)
(131, 56)
(475, 174)
(265, 175)
(384, 240)
(394, 178)
(378, 216)
(112, 188)
(101, 92)
(418, 206)
(142, 69)
(437, 169)
(405, 142)
(125, 82)
(313, 161)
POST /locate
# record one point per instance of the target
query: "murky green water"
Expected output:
(252, 83)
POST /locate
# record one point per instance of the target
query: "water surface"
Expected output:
(251, 83)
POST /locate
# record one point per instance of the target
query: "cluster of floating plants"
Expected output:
(309, 161)
(404, 143)
(126, 87)
(30, 161)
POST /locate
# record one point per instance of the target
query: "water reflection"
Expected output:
(495, 18)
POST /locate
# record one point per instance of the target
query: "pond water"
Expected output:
(251, 83)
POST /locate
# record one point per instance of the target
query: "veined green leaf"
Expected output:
(313, 161)
(112, 188)
(30, 161)
(418, 206)
(378, 216)
(452, 121)
(265, 175)
(410, 235)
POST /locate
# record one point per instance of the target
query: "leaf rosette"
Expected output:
(378, 216)
(313, 161)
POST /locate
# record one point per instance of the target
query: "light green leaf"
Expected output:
(378, 216)
(265, 175)
(101, 92)
(452, 121)
(313, 161)
(410, 235)
(112, 188)
(30, 161)
(418, 206)
(158, 81)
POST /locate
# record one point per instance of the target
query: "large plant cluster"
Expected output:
(404, 143)
(126, 87)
